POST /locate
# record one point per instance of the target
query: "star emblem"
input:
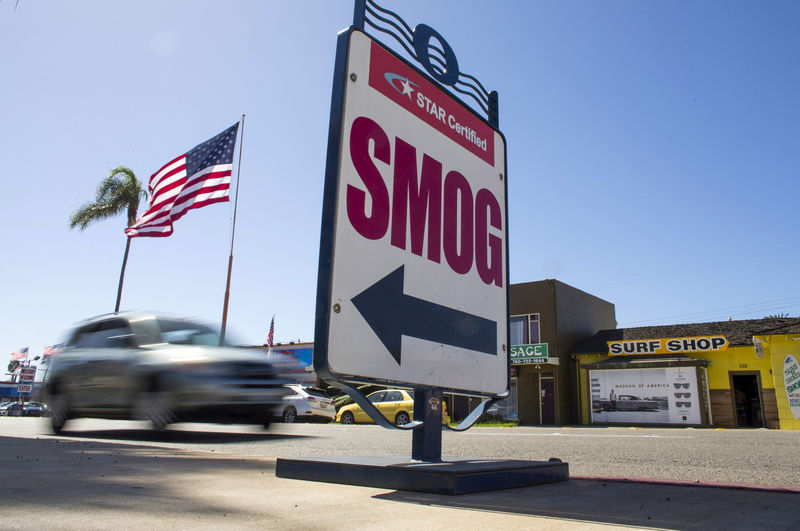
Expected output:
(407, 90)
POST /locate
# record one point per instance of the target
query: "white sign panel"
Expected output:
(791, 381)
(646, 396)
(27, 374)
(419, 273)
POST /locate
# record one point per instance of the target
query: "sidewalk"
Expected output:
(53, 483)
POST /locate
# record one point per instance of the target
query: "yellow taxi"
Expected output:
(397, 405)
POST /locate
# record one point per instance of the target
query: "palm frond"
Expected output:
(120, 191)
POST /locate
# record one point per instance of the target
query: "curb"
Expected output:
(679, 483)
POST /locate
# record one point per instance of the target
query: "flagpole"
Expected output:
(233, 234)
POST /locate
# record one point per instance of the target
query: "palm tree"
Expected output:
(121, 190)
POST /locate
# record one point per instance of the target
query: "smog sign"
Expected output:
(27, 374)
(413, 273)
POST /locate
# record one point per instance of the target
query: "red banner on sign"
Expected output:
(403, 85)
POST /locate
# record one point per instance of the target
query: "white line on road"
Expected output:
(651, 436)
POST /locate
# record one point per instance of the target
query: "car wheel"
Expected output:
(290, 415)
(154, 406)
(401, 418)
(59, 412)
(348, 418)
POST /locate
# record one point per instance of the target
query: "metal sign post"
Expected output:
(426, 441)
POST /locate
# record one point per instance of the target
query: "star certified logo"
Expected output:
(404, 88)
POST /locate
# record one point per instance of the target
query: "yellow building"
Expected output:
(723, 374)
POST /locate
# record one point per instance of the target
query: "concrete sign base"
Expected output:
(451, 476)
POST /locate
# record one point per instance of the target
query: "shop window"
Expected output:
(534, 328)
(525, 329)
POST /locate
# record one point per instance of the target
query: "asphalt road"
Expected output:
(120, 475)
(748, 457)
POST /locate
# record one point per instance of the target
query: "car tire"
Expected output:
(155, 406)
(401, 418)
(290, 415)
(59, 411)
(348, 418)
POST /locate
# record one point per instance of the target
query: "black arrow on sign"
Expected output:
(392, 314)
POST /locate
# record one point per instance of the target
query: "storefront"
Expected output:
(548, 318)
(724, 374)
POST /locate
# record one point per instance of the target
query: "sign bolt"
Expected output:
(337, 308)
(501, 176)
(353, 76)
(504, 347)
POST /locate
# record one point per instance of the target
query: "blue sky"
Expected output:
(652, 152)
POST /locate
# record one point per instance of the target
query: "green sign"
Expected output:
(524, 354)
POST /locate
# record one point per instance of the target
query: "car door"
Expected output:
(392, 404)
(377, 400)
(111, 352)
(75, 367)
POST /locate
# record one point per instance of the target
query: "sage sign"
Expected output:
(526, 354)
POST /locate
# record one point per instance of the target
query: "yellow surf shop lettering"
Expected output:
(649, 346)
(667, 345)
(697, 344)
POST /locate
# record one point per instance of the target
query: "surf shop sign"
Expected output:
(673, 345)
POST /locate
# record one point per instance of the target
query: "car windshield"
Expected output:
(187, 333)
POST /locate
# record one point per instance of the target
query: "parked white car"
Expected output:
(307, 403)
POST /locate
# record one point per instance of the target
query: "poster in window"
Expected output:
(645, 396)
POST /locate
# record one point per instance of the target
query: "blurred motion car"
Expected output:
(307, 403)
(397, 405)
(145, 366)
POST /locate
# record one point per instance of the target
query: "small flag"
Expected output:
(196, 179)
(271, 335)
(52, 350)
(21, 354)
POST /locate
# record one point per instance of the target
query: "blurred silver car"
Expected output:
(142, 366)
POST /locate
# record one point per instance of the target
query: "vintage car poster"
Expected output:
(667, 395)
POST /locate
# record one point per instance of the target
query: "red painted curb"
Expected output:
(678, 483)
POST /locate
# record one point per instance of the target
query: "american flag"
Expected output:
(196, 179)
(21, 354)
(52, 350)
(271, 335)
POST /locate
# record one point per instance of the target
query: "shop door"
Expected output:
(747, 400)
(548, 393)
